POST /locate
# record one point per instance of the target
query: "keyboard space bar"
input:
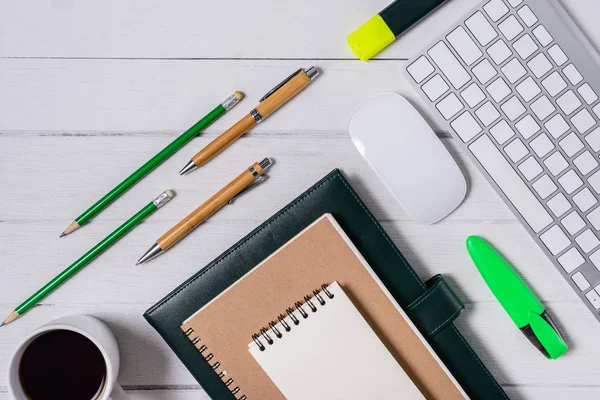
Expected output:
(511, 184)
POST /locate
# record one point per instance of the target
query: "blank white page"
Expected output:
(332, 354)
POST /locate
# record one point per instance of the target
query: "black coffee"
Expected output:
(64, 365)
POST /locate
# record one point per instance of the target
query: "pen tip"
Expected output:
(188, 167)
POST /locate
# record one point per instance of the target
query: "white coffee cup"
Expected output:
(91, 328)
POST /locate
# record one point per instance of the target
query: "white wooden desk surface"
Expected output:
(90, 90)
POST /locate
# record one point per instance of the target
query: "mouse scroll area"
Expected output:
(408, 157)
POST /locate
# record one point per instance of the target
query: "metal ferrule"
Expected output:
(312, 73)
(266, 163)
(163, 198)
(230, 102)
(256, 115)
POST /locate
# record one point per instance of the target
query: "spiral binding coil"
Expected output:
(309, 301)
(229, 382)
(266, 333)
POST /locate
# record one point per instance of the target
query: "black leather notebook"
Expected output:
(431, 305)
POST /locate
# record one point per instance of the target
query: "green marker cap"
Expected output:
(518, 300)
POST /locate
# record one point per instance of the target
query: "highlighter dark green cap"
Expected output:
(383, 28)
(518, 300)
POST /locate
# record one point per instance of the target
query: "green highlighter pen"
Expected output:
(520, 303)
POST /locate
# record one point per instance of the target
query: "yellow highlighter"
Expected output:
(381, 30)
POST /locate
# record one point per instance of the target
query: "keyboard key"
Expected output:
(595, 259)
(525, 46)
(571, 260)
(559, 204)
(585, 163)
(530, 168)
(435, 88)
(583, 121)
(593, 139)
(557, 126)
(594, 299)
(465, 46)
(571, 145)
(580, 280)
(539, 65)
(502, 132)
(499, 52)
(510, 183)
(516, 150)
(594, 181)
(420, 69)
(542, 35)
(544, 187)
(542, 145)
(596, 110)
(568, 102)
(513, 70)
(572, 74)
(557, 55)
(528, 89)
(466, 127)
(573, 223)
(487, 113)
(542, 108)
(588, 94)
(555, 240)
(495, 9)
(513, 108)
(484, 71)
(527, 127)
(554, 84)
(587, 241)
(510, 27)
(449, 106)
(594, 218)
(556, 163)
(514, 3)
(449, 65)
(527, 16)
(481, 28)
(570, 182)
(473, 95)
(498, 89)
(585, 200)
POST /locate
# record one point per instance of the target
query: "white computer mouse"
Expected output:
(408, 157)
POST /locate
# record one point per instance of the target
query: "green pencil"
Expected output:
(94, 252)
(154, 162)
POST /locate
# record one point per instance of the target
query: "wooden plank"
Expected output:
(147, 360)
(187, 28)
(61, 187)
(515, 393)
(125, 96)
(33, 254)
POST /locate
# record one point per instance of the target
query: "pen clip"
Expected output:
(259, 179)
(276, 88)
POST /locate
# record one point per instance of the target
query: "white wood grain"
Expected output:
(95, 88)
(124, 96)
(226, 29)
(71, 162)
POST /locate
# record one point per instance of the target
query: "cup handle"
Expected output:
(118, 393)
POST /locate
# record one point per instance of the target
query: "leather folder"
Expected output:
(431, 305)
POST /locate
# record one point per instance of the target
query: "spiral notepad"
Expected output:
(222, 328)
(323, 348)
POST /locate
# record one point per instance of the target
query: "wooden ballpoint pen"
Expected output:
(270, 102)
(250, 177)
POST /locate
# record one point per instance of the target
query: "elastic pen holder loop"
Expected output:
(435, 309)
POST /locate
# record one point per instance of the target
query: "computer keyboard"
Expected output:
(517, 84)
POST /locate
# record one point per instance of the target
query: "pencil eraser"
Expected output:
(372, 37)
